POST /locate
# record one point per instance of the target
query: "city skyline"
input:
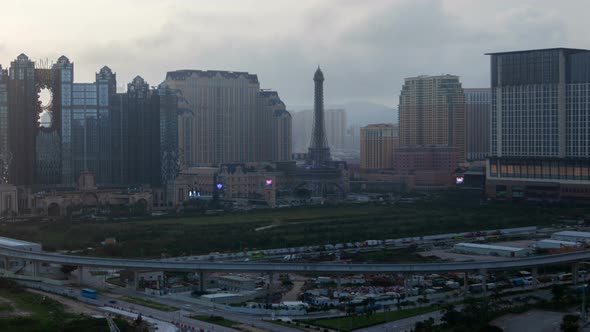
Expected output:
(208, 37)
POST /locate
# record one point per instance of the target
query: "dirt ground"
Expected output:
(294, 292)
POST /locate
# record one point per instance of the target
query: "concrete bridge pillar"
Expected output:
(6, 263)
(202, 276)
(35, 268)
(80, 275)
(575, 268)
(535, 274)
(407, 277)
(465, 281)
(484, 277)
(135, 280)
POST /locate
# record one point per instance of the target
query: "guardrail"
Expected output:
(336, 268)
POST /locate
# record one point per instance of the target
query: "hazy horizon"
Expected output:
(365, 49)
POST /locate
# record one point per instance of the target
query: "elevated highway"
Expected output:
(331, 268)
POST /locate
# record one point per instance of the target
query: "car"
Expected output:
(112, 301)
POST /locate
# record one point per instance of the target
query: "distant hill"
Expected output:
(362, 113)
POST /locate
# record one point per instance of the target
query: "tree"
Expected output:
(558, 292)
(570, 323)
(490, 328)
(67, 269)
(425, 326)
(423, 300)
(451, 317)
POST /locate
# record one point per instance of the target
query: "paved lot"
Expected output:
(447, 254)
(534, 320)
(517, 243)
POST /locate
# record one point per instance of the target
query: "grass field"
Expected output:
(356, 322)
(148, 303)
(217, 320)
(450, 212)
(38, 313)
(116, 281)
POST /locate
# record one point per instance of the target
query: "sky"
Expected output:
(365, 47)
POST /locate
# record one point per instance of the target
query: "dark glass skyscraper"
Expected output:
(22, 119)
(5, 154)
(540, 124)
(86, 132)
(477, 123)
(116, 137)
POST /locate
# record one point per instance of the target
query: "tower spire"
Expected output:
(319, 152)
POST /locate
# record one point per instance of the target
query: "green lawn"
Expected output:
(217, 320)
(5, 307)
(148, 303)
(356, 322)
(450, 212)
(45, 314)
(116, 281)
(290, 325)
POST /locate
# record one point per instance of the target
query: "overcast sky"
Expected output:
(365, 47)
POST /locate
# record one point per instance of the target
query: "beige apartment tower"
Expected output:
(378, 143)
(230, 119)
(432, 112)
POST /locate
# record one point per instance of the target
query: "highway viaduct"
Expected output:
(533, 263)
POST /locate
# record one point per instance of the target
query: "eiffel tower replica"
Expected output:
(318, 155)
(322, 176)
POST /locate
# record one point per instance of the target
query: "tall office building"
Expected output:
(171, 105)
(478, 103)
(141, 134)
(336, 128)
(540, 127)
(378, 142)
(225, 117)
(274, 141)
(22, 119)
(86, 125)
(223, 105)
(432, 112)
(5, 154)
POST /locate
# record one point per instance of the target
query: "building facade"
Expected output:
(226, 120)
(87, 137)
(140, 134)
(23, 115)
(5, 154)
(478, 103)
(336, 129)
(274, 128)
(433, 165)
(378, 142)
(432, 112)
(8, 200)
(540, 125)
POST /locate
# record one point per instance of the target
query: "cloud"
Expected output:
(365, 48)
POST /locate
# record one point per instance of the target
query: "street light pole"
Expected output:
(584, 316)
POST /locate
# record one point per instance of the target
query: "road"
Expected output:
(407, 324)
(137, 264)
(179, 316)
